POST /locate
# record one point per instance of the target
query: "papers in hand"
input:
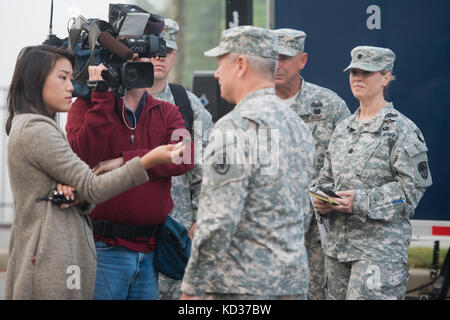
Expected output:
(323, 198)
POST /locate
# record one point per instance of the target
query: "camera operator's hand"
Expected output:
(134, 58)
(95, 72)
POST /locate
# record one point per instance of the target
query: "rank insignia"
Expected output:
(317, 104)
(389, 121)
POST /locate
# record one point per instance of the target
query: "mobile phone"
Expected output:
(329, 192)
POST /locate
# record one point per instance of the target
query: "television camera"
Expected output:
(130, 30)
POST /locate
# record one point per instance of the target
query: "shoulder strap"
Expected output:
(74, 35)
(184, 105)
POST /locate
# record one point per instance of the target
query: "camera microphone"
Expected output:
(115, 46)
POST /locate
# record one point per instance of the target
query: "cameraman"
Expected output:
(106, 132)
(185, 188)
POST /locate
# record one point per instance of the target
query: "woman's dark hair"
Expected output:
(33, 66)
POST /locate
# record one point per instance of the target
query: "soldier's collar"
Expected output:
(374, 124)
(302, 103)
(254, 94)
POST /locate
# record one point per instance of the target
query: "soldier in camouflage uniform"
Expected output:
(185, 188)
(377, 160)
(249, 242)
(321, 109)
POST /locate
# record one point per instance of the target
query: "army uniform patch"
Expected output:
(423, 169)
(312, 117)
(420, 137)
(389, 121)
(222, 167)
(317, 104)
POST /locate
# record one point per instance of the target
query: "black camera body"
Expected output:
(147, 46)
(129, 75)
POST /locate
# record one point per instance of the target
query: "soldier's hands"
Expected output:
(322, 207)
(185, 296)
(192, 230)
(346, 203)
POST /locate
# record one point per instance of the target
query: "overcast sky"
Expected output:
(26, 22)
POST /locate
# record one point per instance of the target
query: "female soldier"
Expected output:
(51, 252)
(377, 160)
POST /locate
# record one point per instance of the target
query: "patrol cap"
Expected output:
(290, 41)
(169, 33)
(372, 59)
(247, 40)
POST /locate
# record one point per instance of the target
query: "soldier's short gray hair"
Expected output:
(266, 67)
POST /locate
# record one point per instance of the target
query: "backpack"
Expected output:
(184, 105)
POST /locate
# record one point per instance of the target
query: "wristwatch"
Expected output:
(97, 85)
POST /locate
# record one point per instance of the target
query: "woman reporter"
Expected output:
(51, 251)
(377, 161)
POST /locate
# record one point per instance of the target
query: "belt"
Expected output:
(108, 229)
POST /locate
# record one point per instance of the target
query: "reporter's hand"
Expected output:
(108, 165)
(164, 154)
(69, 193)
(95, 72)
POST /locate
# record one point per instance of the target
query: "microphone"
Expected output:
(115, 46)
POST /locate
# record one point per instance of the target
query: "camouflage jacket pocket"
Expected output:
(365, 156)
(419, 163)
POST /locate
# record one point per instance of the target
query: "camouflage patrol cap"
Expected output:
(169, 33)
(290, 41)
(372, 59)
(247, 40)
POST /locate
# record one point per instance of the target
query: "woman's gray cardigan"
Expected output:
(51, 251)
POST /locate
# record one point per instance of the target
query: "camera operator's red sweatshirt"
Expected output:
(96, 132)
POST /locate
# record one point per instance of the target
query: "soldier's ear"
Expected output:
(387, 78)
(242, 64)
(302, 61)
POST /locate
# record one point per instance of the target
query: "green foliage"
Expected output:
(205, 21)
(260, 13)
(423, 257)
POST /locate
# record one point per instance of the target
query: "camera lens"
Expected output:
(133, 75)
(137, 75)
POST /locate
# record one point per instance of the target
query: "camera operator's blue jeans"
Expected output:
(123, 274)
